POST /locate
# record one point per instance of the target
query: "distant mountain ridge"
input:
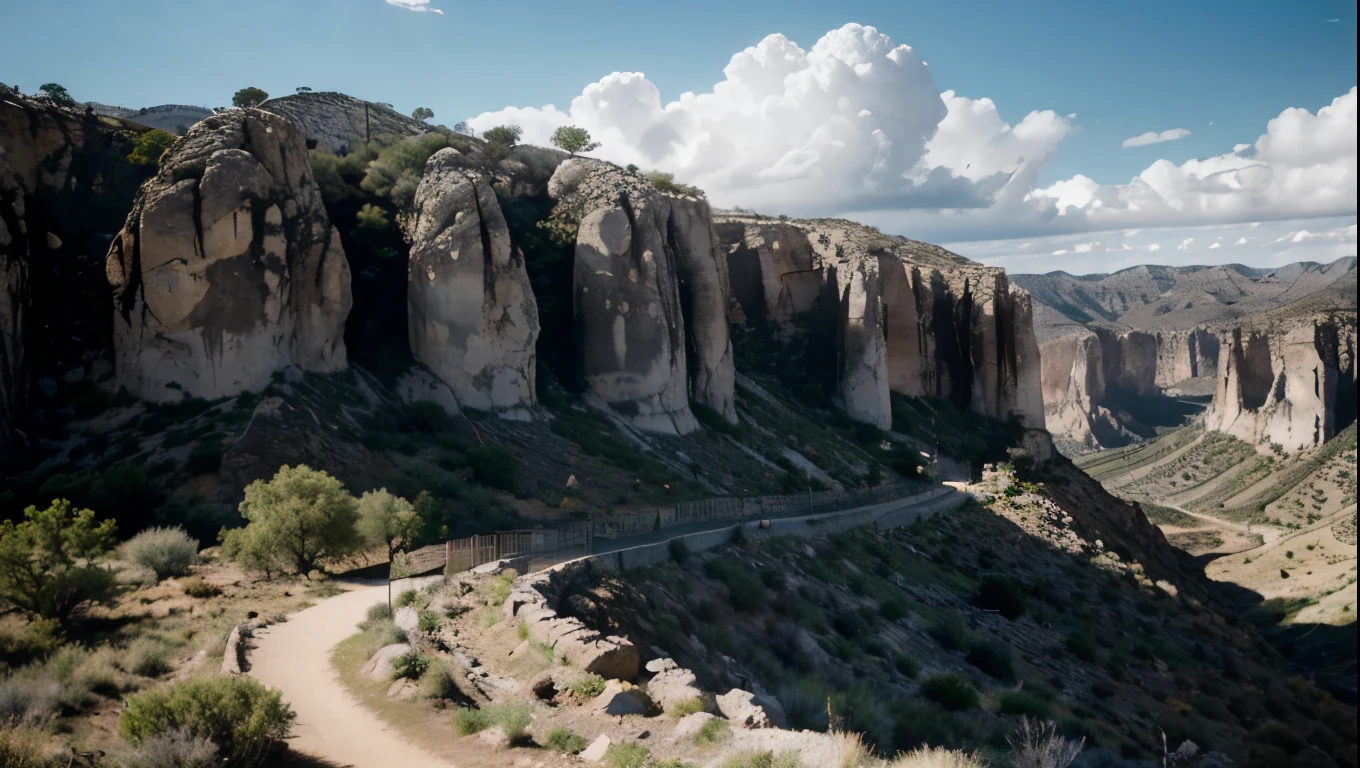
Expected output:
(167, 117)
(1151, 297)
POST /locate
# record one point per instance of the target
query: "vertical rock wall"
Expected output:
(913, 318)
(472, 316)
(227, 269)
(635, 247)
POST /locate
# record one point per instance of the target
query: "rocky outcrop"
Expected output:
(636, 248)
(341, 123)
(472, 317)
(1290, 386)
(908, 317)
(64, 184)
(228, 268)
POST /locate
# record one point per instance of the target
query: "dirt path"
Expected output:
(295, 657)
(1268, 533)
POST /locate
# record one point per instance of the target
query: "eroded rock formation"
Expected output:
(341, 123)
(909, 317)
(1289, 386)
(635, 246)
(472, 316)
(228, 268)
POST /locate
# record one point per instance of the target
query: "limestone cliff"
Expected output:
(1290, 385)
(228, 269)
(636, 249)
(909, 317)
(472, 317)
(64, 184)
(339, 122)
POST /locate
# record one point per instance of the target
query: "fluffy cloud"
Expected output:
(855, 126)
(415, 5)
(1152, 137)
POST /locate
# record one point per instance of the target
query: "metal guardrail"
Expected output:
(458, 555)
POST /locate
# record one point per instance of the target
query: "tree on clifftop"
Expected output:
(149, 147)
(303, 89)
(248, 97)
(499, 141)
(57, 94)
(422, 113)
(571, 139)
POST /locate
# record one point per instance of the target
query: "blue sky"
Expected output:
(1121, 69)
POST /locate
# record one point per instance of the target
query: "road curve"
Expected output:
(295, 657)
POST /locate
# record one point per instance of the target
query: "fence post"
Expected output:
(448, 554)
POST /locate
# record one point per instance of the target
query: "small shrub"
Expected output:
(950, 632)
(378, 613)
(428, 621)
(994, 658)
(196, 587)
(1037, 744)
(30, 697)
(714, 731)
(1023, 704)
(588, 687)
(560, 739)
(998, 593)
(408, 597)
(512, 717)
(626, 756)
(176, 749)
(1082, 645)
(679, 551)
(950, 691)
(238, 714)
(907, 665)
(688, 707)
(467, 721)
(493, 466)
(763, 760)
(410, 666)
(23, 747)
(439, 681)
(147, 659)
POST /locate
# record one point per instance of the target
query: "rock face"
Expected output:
(472, 317)
(341, 123)
(908, 317)
(1291, 386)
(636, 248)
(228, 269)
(64, 184)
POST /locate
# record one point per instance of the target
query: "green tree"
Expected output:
(422, 113)
(303, 516)
(462, 127)
(57, 94)
(396, 172)
(499, 141)
(248, 97)
(303, 89)
(388, 520)
(47, 566)
(252, 549)
(572, 140)
(150, 146)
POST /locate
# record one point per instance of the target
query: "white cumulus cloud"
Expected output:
(415, 5)
(1153, 137)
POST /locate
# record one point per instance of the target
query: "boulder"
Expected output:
(379, 667)
(406, 618)
(613, 658)
(227, 269)
(595, 752)
(472, 316)
(672, 687)
(339, 122)
(404, 689)
(741, 708)
(495, 737)
(622, 699)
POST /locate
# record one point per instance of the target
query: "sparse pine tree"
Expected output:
(57, 94)
(249, 97)
(422, 113)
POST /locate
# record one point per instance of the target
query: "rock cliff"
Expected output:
(339, 122)
(635, 248)
(1128, 352)
(64, 184)
(909, 317)
(228, 268)
(472, 317)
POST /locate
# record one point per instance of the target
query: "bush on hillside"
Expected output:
(237, 714)
(950, 691)
(993, 657)
(148, 148)
(47, 566)
(176, 749)
(493, 466)
(1000, 594)
(167, 551)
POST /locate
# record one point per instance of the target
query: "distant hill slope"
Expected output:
(1154, 298)
(339, 122)
(175, 118)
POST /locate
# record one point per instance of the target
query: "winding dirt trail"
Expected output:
(1268, 533)
(295, 657)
